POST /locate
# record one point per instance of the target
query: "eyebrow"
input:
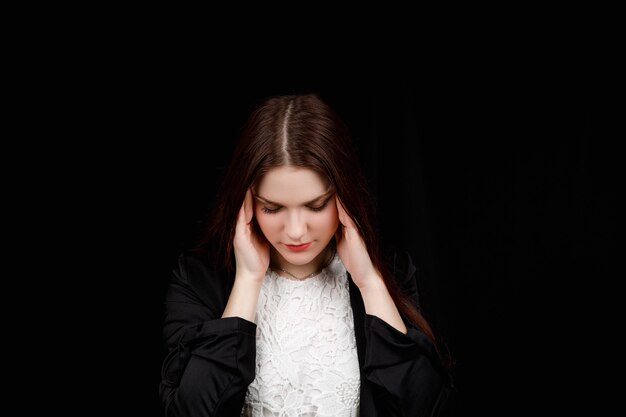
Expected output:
(265, 200)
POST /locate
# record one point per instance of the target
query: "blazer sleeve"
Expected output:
(405, 369)
(209, 361)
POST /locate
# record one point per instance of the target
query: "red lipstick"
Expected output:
(298, 247)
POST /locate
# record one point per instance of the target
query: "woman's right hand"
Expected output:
(252, 252)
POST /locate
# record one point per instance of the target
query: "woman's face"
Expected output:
(297, 213)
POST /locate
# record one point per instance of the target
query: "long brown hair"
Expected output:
(302, 131)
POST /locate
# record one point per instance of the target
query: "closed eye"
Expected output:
(319, 208)
(270, 211)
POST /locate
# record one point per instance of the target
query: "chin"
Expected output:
(298, 258)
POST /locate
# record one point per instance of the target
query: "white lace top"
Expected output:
(306, 360)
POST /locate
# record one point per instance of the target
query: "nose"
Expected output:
(295, 227)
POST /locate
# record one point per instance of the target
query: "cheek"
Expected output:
(327, 223)
(268, 223)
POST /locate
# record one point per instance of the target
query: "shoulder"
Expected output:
(192, 264)
(194, 272)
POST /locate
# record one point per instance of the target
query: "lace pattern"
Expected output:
(306, 361)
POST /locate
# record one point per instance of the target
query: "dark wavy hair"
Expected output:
(302, 131)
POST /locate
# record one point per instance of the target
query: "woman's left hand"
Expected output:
(353, 252)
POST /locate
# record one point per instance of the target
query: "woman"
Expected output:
(286, 308)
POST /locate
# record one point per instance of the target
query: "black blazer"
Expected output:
(210, 360)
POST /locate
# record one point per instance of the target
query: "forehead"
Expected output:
(291, 185)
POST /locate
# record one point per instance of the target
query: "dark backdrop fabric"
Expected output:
(488, 187)
(492, 176)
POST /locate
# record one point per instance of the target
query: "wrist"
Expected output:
(243, 296)
(373, 283)
(249, 277)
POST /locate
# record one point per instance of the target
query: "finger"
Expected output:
(248, 207)
(241, 218)
(343, 215)
(340, 210)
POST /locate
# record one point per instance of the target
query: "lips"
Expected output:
(298, 247)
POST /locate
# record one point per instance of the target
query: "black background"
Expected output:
(490, 163)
